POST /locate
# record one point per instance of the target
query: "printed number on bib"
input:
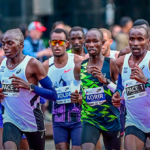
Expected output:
(134, 89)
(8, 89)
(63, 94)
(95, 96)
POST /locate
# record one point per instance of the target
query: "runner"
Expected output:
(76, 39)
(106, 51)
(98, 115)
(138, 22)
(134, 68)
(66, 116)
(20, 76)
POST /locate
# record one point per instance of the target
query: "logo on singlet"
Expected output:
(18, 71)
(125, 70)
(2, 69)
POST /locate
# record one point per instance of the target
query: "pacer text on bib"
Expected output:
(63, 94)
(134, 89)
(95, 96)
(8, 89)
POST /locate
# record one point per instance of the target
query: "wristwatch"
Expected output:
(32, 87)
(108, 82)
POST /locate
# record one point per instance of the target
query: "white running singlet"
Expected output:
(22, 110)
(137, 97)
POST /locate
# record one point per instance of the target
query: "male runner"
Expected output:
(138, 22)
(20, 75)
(76, 39)
(98, 114)
(134, 69)
(106, 51)
(66, 115)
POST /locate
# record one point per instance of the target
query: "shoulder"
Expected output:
(46, 64)
(126, 50)
(78, 58)
(33, 62)
(119, 61)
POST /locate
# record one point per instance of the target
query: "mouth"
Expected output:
(92, 51)
(135, 49)
(7, 53)
(57, 51)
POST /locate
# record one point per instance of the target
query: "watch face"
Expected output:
(32, 86)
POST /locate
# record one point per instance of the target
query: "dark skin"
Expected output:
(77, 40)
(127, 49)
(34, 70)
(138, 42)
(93, 43)
(60, 60)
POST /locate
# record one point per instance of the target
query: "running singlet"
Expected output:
(104, 116)
(63, 109)
(137, 96)
(21, 109)
(112, 54)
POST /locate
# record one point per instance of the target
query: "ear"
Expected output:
(111, 41)
(49, 42)
(21, 44)
(148, 41)
(67, 43)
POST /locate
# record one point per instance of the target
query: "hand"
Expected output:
(97, 73)
(80, 99)
(116, 99)
(137, 74)
(74, 97)
(1, 95)
(17, 82)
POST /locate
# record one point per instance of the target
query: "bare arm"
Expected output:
(113, 70)
(46, 65)
(119, 63)
(125, 51)
(77, 69)
(78, 58)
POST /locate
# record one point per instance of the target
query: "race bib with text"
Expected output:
(63, 94)
(8, 89)
(134, 89)
(95, 96)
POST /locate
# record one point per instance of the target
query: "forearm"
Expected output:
(46, 91)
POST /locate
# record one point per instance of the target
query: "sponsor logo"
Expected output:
(143, 67)
(104, 74)
(67, 88)
(98, 90)
(125, 70)
(1, 70)
(3, 67)
(65, 71)
(18, 71)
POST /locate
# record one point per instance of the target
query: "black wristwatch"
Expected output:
(32, 87)
(108, 82)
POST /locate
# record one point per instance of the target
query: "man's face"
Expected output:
(138, 41)
(76, 40)
(93, 43)
(58, 50)
(11, 46)
(129, 26)
(107, 43)
(36, 34)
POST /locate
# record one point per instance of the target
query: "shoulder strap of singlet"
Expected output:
(51, 61)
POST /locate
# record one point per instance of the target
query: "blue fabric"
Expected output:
(32, 47)
(47, 92)
(113, 46)
(119, 84)
(42, 100)
(64, 131)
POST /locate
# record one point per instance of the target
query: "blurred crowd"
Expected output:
(36, 47)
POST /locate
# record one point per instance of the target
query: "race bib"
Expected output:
(95, 96)
(63, 94)
(8, 89)
(134, 89)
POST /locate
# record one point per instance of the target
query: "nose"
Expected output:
(91, 44)
(57, 45)
(136, 42)
(76, 41)
(5, 47)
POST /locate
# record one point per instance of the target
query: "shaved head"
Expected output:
(98, 31)
(16, 34)
(106, 31)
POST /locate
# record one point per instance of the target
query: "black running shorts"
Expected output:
(91, 134)
(36, 140)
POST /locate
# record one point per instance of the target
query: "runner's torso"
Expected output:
(63, 111)
(105, 116)
(137, 105)
(20, 107)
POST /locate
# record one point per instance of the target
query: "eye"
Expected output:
(72, 39)
(140, 39)
(87, 42)
(95, 41)
(131, 39)
(10, 43)
(80, 38)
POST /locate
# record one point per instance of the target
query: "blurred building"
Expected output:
(85, 13)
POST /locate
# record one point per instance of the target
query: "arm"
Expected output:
(46, 65)
(78, 59)
(47, 91)
(113, 70)
(125, 51)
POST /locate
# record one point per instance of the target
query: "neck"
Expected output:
(96, 60)
(60, 60)
(138, 59)
(124, 30)
(107, 53)
(80, 52)
(17, 59)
